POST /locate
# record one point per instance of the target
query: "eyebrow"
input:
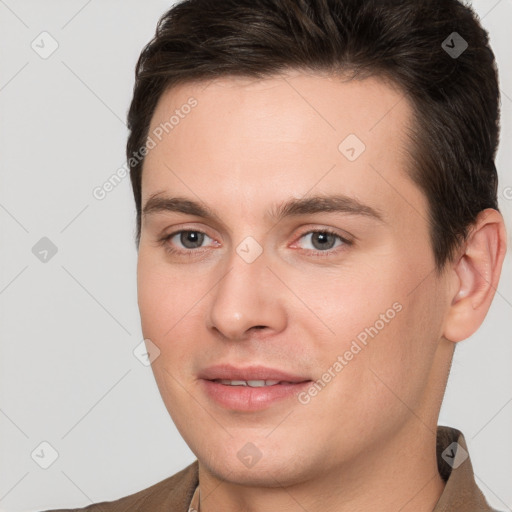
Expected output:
(159, 203)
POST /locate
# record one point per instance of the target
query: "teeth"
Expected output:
(236, 383)
(261, 383)
(250, 383)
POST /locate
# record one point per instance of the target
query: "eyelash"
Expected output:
(194, 252)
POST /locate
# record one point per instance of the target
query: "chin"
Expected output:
(269, 467)
(272, 475)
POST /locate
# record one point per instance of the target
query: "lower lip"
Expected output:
(246, 398)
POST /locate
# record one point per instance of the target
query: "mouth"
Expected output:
(251, 383)
(250, 374)
(252, 388)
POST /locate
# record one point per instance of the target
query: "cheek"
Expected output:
(402, 356)
(381, 329)
(172, 312)
(355, 303)
(164, 297)
(385, 365)
(166, 304)
(152, 300)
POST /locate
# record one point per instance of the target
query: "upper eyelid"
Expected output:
(344, 239)
(332, 231)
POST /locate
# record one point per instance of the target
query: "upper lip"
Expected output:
(228, 372)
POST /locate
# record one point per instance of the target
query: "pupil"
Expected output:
(191, 239)
(326, 240)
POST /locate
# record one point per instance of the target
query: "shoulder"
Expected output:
(175, 491)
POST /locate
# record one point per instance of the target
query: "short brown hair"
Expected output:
(455, 98)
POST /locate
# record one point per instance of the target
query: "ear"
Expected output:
(475, 274)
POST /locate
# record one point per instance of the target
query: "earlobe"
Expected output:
(476, 274)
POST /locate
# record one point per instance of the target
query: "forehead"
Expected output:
(295, 102)
(268, 139)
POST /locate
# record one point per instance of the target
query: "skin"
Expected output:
(366, 441)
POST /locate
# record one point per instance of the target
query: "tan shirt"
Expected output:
(180, 492)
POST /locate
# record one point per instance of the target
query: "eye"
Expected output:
(187, 242)
(322, 241)
(184, 241)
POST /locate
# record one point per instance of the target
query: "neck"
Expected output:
(398, 475)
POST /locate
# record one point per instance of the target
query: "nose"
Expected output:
(247, 298)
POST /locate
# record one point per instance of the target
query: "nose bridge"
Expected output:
(244, 296)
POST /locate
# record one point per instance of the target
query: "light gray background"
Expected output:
(68, 326)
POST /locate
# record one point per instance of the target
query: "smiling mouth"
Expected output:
(251, 388)
(253, 395)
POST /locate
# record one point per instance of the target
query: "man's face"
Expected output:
(343, 297)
